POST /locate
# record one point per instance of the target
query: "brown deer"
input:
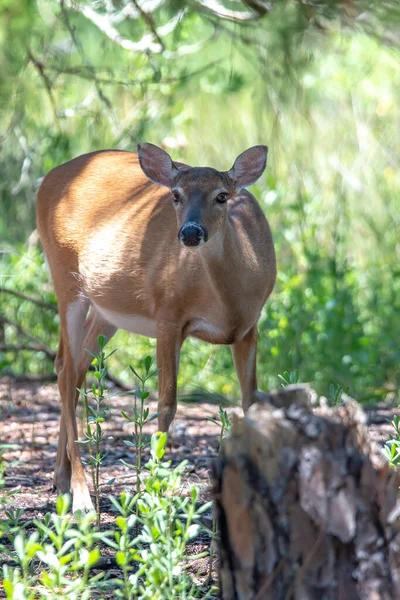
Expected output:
(156, 248)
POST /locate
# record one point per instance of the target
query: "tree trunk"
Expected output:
(306, 505)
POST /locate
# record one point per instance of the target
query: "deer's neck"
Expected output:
(221, 258)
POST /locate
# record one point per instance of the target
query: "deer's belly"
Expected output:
(128, 322)
(207, 331)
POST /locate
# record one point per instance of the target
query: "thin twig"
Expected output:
(36, 301)
(81, 52)
(23, 333)
(30, 347)
(150, 23)
(80, 72)
(47, 84)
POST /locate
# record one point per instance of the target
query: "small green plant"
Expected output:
(289, 378)
(140, 417)
(11, 525)
(151, 532)
(153, 561)
(223, 421)
(71, 553)
(96, 415)
(169, 520)
(66, 552)
(125, 543)
(335, 393)
(5, 496)
(392, 447)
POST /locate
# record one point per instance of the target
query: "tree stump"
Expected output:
(306, 505)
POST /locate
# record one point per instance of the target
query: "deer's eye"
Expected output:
(177, 197)
(222, 198)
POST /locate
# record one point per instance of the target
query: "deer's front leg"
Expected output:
(168, 352)
(244, 356)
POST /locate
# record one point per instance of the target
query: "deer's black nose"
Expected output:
(192, 234)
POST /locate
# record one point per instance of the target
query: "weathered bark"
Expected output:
(306, 505)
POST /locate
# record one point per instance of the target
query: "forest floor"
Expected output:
(29, 416)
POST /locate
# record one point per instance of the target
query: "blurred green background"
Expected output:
(317, 81)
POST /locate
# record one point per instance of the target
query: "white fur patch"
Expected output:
(201, 325)
(75, 319)
(133, 323)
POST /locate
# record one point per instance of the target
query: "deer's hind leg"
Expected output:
(77, 334)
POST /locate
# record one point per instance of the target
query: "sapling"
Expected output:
(225, 424)
(140, 417)
(96, 416)
(391, 449)
(289, 377)
(335, 393)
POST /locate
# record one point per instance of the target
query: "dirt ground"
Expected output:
(29, 415)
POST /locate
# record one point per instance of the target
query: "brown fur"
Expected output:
(111, 237)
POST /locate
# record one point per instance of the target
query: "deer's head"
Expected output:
(200, 194)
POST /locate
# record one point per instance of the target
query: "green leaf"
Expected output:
(116, 504)
(19, 547)
(121, 559)
(193, 530)
(9, 588)
(93, 557)
(102, 341)
(154, 372)
(134, 372)
(194, 492)
(153, 417)
(62, 504)
(121, 523)
(204, 508)
(148, 361)
(158, 444)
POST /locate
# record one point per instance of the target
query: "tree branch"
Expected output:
(220, 11)
(36, 301)
(150, 23)
(30, 347)
(47, 84)
(103, 23)
(23, 333)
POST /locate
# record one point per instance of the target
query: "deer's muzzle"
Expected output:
(192, 234)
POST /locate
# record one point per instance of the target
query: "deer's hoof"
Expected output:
(81, 501)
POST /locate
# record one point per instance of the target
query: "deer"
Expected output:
(158, 248)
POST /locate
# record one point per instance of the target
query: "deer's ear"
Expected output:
(156, 164)
(249, 166)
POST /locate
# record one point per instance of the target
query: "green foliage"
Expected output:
(312, 80)
(140, 417)
(56, 559)
(168, 522)
(95, 416)
(289, 378)
(392, 448)
(335, 393)
(223, 421)
(149, 536)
